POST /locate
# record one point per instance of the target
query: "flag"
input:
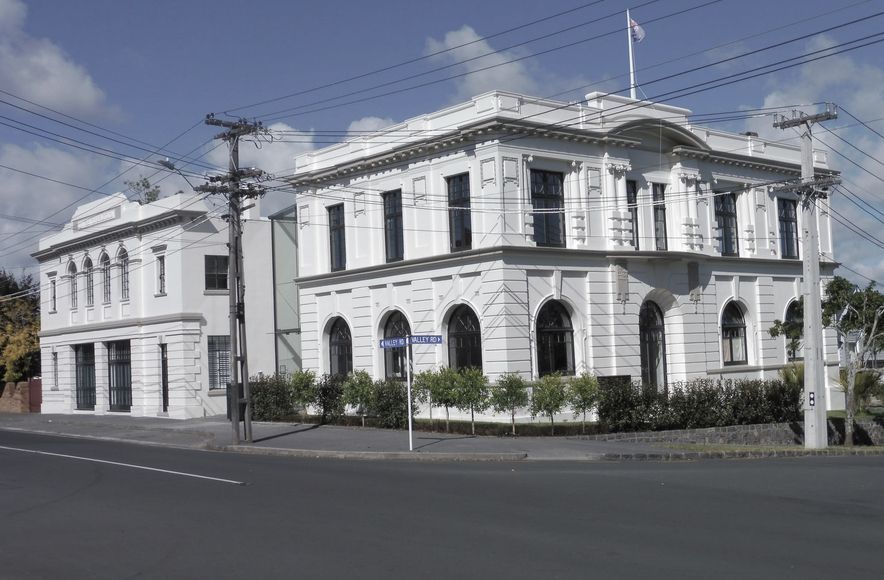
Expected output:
(638, 33)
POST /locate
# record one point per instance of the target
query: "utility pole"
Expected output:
(235, 192)
(809, 190)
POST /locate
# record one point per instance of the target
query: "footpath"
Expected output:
(328, 441)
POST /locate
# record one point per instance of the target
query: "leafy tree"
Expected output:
(390, 403)
(441, 389)
(549, 398)
(19, 327)
(329, 397)
(510, 394)
(358, 392)
(793, 329)
(854, 313)
(143, 190)
(583, 395)
(471, 393)
(303, 390)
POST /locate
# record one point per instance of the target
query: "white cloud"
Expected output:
(26, 196)
(38, 70)
(369, 124)
(856, 86)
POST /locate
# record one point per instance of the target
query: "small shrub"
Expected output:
(511, 393)
(328, 397)
(358, 392)
(303, 389)
(271, 398)
(390, 403)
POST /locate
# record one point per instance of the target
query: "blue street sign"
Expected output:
(425, 339)
(398, 342)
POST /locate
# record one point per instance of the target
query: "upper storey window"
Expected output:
(394, 240)
(216, 272)
(337, 243)
(787, 210)
(459, 219)
(726, 217)
(659, 194)
(632, 206)
(548, 201)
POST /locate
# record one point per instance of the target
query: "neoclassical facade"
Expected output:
(611, 236)
(134, 308)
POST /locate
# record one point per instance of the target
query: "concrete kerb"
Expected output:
(207, 446)
(373, 455)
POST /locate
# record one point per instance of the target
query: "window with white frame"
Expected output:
(161, 275)
(219, 361)
(733, 335)
(72, 286)
(105, 278)
(123, 259)
(90, 282)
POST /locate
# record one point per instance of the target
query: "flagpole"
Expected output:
(631, 59)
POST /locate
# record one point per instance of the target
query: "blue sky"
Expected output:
(149, 71)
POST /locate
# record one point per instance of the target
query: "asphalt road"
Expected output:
(266, 517)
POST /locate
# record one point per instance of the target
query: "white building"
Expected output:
(609, 236)
(134, 308)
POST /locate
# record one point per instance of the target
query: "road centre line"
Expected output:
(144, 467)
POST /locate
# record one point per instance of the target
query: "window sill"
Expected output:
(217, 392)
(216, 292)
(159, 294)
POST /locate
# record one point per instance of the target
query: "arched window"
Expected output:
(104, 261)
(555, 340)
(123, 259)
(652, 345)
(394, 358)
(794, 325)
(90, 283)
(340, 348)
(733, 335)
(72, 275)
(464, 339)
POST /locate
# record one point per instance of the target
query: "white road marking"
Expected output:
(144, 467)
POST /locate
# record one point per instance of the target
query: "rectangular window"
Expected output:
(119, 368)
(548, 201)
(460, 226)
(90, 290)
(161, 275)
(393, 235)
(106, 280)
(54, 371)
(659, 193)
(216, 272)
(726, 216)
(84, 367)
(73, 290)
(53, 296)
(788, 214)
(124, 278)
(219, 362)
(632, 206)
(337, 242)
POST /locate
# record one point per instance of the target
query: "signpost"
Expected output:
(405, 341)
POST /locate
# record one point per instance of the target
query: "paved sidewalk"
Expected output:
(307, 440)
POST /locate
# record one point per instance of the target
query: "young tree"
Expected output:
(792, 329)
(19, 327)
(303, 390)
(358, 392)
(329, 391)
(583, 395)
(510, 394)
(143, 190)
(442, 391)
(549, 398)
(471, 393)
(859, 314)
(422, 388)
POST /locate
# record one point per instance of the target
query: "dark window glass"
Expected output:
(219, 362)
(464, 339)
(340, 348)
(84, 359)
(794, 320)
(555, 340)
(733, 335)
(123, 258)
(105, 279)
(659, 193)
(161, 274)
(726, 216)
(119, 367)
(459, 219)
(72, 275)
(216, 272)
(632, 206)
(394, 358)
(788, 214)
(53, 296)
(652, 345)
(548, 201)
(337, 242)
(90, 283)
(393, 236)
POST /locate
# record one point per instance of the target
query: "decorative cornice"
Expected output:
(125, 323)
